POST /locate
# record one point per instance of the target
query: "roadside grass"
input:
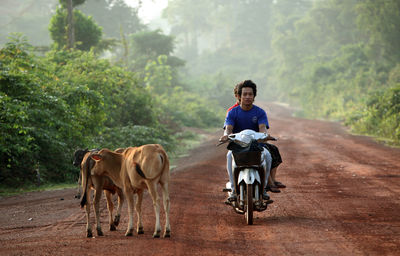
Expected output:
(7, 191)
(389, 142)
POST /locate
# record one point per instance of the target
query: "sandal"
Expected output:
(273, 189)
(279, 184)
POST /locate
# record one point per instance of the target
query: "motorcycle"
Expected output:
(248, 172)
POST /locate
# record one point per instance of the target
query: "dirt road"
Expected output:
(343, 198)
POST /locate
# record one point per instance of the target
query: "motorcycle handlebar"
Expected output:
(264, 140)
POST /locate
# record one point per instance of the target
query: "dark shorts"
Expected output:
(276, 156)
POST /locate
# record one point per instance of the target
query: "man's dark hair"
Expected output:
(247, 83)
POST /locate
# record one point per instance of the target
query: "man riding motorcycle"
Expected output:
(247, 116)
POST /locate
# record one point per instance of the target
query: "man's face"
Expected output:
(247, 97)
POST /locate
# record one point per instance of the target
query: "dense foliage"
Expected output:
(344, 62)
(35, 125)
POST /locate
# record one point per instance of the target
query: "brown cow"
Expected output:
(99, 183)
(137, 169)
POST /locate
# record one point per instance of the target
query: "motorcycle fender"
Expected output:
(249, 176)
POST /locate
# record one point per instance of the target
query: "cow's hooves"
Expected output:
(89, 233)
(129, 233)
(167, 234)
(140, 231)
(157, 234)
(112, 227)
(99, 232)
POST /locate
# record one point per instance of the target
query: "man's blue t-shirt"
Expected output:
(251, 119)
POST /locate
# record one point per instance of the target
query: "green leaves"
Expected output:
(87, 32)
(159, 76)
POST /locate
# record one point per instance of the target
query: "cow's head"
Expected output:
(104, 162)
(78, 156)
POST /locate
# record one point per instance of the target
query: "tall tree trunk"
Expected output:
(70, 26)
(125, 45)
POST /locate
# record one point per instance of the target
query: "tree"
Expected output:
(27, 17)
(187, 18)
(113, 16)
(87, 33)
(148, 45)
(69, 5)
(379, 21)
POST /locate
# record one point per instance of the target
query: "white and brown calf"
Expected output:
(99, 183)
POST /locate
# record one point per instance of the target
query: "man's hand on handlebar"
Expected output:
(224, 138)
(269, 137)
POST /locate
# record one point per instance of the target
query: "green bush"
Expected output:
(135, 135)
(380, 116)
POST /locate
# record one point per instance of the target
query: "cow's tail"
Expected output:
(164, 161)
(140, 171)
(166, 164)
(85, 180)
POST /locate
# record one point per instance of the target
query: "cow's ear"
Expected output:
(96, 157)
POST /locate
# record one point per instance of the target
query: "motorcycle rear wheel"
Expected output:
(249, 210)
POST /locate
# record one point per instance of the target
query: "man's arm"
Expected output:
(228, 130)
(263, 128)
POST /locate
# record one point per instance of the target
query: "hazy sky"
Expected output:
(150, 8)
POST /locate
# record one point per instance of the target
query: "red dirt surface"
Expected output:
(342, 198)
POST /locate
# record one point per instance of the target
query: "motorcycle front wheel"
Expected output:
(249, 210)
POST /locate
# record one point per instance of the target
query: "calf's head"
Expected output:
(106, 161)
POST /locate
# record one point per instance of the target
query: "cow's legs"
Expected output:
(110, 207)
(165, 192)
(129, 197)
(152, 186)
(87, 209)
(120, 203)
(96, 205)
(138, 207)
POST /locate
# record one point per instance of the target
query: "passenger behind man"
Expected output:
(244, 109)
